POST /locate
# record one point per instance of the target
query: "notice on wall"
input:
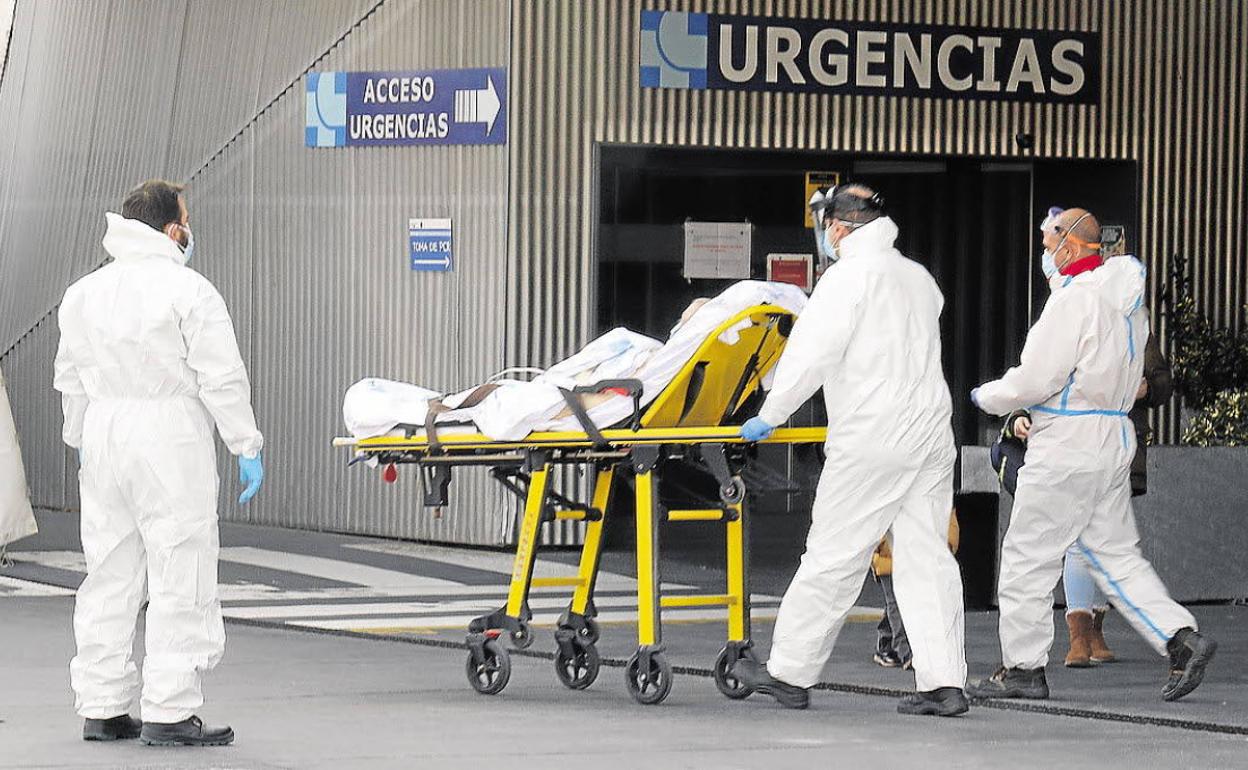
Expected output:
(797, 269)
(817, 180)
(438, 107)
(429, 244)
(717, 249)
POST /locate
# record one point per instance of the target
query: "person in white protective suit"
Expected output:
(870, 337)
(17, 520)
(1079, 373)
(147, 363)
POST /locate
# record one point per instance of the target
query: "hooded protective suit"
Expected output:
(870, 336)
(147, 363)
(1079, 372)
(17, 520)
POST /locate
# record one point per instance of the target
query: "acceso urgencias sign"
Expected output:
(440, 107)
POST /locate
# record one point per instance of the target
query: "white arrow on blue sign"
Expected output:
(429, 244)
(413, 108)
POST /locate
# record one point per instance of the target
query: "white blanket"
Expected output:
(374, 407)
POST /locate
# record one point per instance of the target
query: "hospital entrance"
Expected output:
(971, 221)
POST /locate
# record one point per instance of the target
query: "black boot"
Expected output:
(754, 675)
(1189, 654)
(119, 728)
(942, 702)
(1012, 683)
(188, 732)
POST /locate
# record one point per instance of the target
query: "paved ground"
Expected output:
(300, 700)
(397, 692)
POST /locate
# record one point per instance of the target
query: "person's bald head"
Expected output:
(1073, 235)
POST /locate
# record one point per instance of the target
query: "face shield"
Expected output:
(819, 204)
(1049, 225)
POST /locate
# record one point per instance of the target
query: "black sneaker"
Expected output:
(754, 675)
(943, 702)
(886, 659)
(1012, 683)
(1189, 654)
(188, 732)
(119, 728)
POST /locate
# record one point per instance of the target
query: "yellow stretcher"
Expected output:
(693, 421)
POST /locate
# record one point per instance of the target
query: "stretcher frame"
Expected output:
(676, 427)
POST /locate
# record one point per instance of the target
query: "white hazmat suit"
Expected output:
(1080, 368)
(870, 336)
(17, 520)
(147, 363)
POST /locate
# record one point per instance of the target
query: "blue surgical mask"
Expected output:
(828, 248)
(1048, 263)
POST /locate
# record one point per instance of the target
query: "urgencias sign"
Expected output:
(757, 53)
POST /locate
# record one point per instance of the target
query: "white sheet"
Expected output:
(373, 407)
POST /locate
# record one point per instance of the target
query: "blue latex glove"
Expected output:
(250, 473)
(82, 459)
(756, 429)
(975, 398)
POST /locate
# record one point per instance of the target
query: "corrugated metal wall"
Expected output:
(6, 25)
(307, 246)
(1173, 82)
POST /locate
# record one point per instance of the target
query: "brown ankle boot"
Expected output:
(1096, 640)
(1080, 625)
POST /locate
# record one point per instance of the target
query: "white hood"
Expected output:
(132, 239)
(1121, 281)
(872, 238)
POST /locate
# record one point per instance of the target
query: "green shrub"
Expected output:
(1205, 360)
(1210, 366)
(1221, 422)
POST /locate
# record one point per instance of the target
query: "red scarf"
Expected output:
(1082, 265)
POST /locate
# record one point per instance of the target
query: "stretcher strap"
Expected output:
(436, 407)
(748, 372)
(582, 416)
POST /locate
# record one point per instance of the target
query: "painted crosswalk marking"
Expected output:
(12, 587)
(335, 569)
(434, 623)
(369, 599)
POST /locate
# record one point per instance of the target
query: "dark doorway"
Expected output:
(971, 221)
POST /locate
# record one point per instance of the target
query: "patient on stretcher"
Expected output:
(507, 409)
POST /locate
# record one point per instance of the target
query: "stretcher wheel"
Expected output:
(733, 492)
(590, 633)
(580, 670)
(728, 684)
(652, 685)
(491, 674)
(522, 638)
